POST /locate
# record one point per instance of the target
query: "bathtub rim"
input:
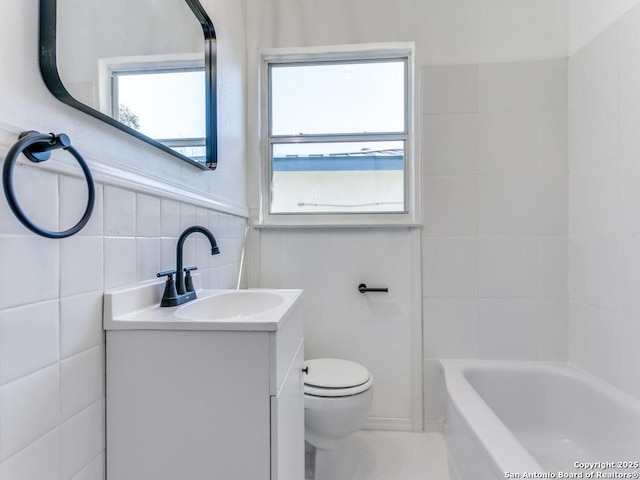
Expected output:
(485, 427)
(464, 399)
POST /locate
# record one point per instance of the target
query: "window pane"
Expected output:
(182, 117)
(338, 98)
(346, 177)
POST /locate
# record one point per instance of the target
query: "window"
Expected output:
(134, 86)
(337, 134)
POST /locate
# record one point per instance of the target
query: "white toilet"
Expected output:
(337, 401)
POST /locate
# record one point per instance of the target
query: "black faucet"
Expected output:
(182, 290)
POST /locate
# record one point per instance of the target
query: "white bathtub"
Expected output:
(510, 419)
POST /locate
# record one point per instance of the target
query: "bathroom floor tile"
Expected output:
(401, 456)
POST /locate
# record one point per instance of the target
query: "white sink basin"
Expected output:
(229, 305)
(138, 308)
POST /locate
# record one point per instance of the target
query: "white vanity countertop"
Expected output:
(138, 308)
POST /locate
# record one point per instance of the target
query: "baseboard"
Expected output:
(433, 426)
(389, 424)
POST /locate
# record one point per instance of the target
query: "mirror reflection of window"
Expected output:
(177, 123)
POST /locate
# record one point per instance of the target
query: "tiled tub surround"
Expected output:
(604, 228)
(51, 337)
(494, 243)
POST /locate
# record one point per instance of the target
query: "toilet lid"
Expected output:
(335, 373)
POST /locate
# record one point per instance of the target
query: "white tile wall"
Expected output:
(604, 253)
(507, 142)
(28, 339)
(51, 337)
(450, 267)
(508, 328)
(508, 204)
(508, 267)
(495, 203)
(29, 409)
(453, 202)
(39, 460)
(450, 89)
(451, 327)
(451, 144)
(508, 87)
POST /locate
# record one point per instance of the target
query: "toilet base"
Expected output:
(338, 463)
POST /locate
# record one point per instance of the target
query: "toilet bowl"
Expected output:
(337, 402)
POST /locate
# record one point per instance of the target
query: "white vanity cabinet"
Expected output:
(210, 403)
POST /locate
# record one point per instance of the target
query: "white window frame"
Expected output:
(355, 53)
(111, 68)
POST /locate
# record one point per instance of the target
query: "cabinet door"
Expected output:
(287, 424)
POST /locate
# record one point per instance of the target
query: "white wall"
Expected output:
(377, 330)
(604, 114)
(491, 140)
(587, 18)
(51, 340)
(26, 103)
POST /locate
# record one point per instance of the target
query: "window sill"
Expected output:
(343, 225)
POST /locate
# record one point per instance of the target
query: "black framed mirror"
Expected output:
(146, 67)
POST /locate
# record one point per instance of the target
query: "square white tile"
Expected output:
(81, 440)
(507, 142)
(119, 212)
(507, 204)
(148, 252)
(593, 129)
(80, 323)
(594, 275)
(450, 205)
(39, 460)
(553, 330)
(508, 329)
(450, 89)
(81, 381)
(81, 265)
(29, 408)
(508, 267)
(147, 216)
(594, 200)
(451, 328)
(29, 339)
(119, 261)
(553, 204)
(170, 218)
(22, 257)
(553, 265)
(450, 266)
(552, 145)
(450, 144)
(508, 86)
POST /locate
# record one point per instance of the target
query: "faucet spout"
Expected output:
(180, 287)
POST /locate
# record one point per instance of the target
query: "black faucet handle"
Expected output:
(170, 294)
(168, 273)
(188, 279)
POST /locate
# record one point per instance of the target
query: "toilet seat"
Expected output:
(332, 377)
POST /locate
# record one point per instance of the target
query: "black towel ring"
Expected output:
(36, 147)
